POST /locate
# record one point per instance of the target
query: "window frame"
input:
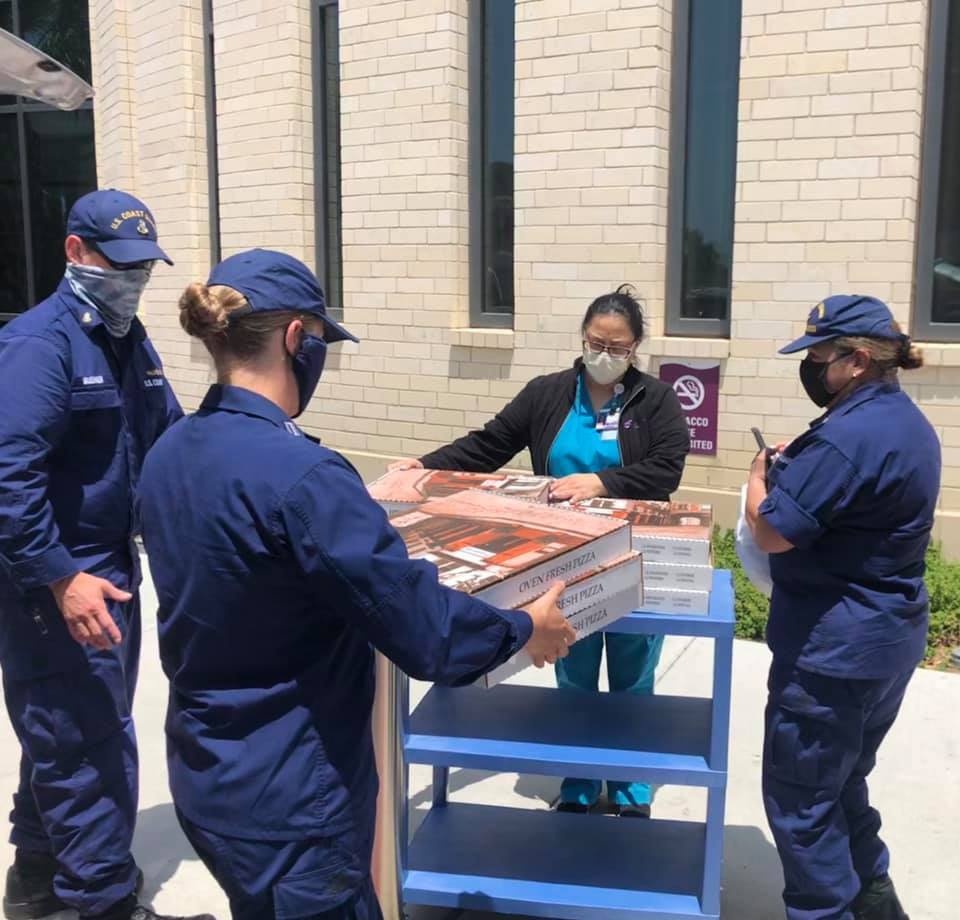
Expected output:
(480, 316)
(213, 150)
(923, 326)
(21, 107)
(674, 323)
(321, 166)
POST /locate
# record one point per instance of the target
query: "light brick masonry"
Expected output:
(831, 99)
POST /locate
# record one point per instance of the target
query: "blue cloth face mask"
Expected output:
(114, 293)
(307, 367)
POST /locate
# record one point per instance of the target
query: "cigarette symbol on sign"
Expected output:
(690, 391)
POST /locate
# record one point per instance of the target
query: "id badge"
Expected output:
(608, 422)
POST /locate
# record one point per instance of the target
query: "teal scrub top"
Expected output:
(579, 447)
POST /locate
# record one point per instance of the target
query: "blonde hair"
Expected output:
(887, 354)
(207, 313)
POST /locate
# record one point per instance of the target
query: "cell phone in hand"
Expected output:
(758, 437)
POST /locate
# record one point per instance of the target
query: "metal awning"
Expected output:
(27, 71)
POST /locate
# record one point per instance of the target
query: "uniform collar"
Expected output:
(222, 397)
(88, 318)
(859, 396)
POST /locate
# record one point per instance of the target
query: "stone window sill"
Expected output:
(482, 338)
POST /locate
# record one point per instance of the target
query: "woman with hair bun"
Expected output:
(845, 511)
(602, 428)
(276, 573)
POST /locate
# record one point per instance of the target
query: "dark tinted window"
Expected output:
(492, 150)
(13, 259)
(709, 161)
(61, 28)
(57, 149)
(946, 265)
(327, 160)
(62, 168)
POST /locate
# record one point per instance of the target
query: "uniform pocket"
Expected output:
(326, 876)
(814, 733)
(89, 399)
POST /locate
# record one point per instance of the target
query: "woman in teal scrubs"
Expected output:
(601, 428)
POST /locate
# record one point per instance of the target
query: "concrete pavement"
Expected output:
(916, 785)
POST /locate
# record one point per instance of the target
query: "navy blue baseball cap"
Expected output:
(846, 315)
(119, 225)
(271, 280)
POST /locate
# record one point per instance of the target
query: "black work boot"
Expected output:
(878, 901)
(29, 892)
(129, 909)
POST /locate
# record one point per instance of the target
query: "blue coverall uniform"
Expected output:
(582, 447)
(81, 410)
(276, 576)
(855, 495)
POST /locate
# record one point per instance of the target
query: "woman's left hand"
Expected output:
(758, 468)
(577, 488)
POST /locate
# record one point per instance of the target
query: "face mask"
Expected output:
(604, 368)
(307, 367)
(114, 293)
(813, 376)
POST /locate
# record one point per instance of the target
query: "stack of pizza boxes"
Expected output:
(508, 551)
(674, 539)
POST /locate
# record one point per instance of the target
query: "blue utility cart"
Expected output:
(583, 867)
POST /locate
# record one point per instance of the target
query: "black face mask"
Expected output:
(813, 377)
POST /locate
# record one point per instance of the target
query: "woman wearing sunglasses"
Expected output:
(601, 428)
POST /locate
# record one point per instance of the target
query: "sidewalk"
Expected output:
(916, 785)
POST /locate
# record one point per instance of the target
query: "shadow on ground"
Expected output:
(752, 883)
(159, 847)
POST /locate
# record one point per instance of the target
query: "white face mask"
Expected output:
(604, 368)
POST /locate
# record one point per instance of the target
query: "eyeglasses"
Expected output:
(615, 351)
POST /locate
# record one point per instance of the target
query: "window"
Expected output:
(326, 141)
(46, 156)
(213, 161)
(937, 308)
(703, 164)
(492, 56)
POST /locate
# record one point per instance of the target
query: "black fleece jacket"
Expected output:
(653, 435)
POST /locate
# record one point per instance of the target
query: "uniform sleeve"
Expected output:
(357, 564)
(36, 386)
(809, 491)
(491, 447)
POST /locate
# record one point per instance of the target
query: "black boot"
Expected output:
(129, 909)
(878, 901)
(29, 892)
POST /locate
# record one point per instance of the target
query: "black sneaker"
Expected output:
(29, 892)
(129, 909)
(878, 901)
(145, 913)
(632, 811)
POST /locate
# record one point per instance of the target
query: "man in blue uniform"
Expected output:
(846, 513)
(84, 397)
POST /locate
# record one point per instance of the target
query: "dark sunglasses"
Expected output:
(126, 266)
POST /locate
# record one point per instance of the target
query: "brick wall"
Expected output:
(591, 151)
(149, 116)
(828, 178)
(829, 169)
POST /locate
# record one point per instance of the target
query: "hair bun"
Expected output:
(911, 356)
(202, 315)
